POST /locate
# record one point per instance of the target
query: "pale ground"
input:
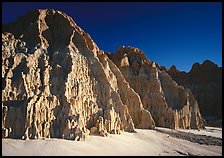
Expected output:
(209, 131)
(144, 142)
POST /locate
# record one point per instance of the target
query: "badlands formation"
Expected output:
(56, 83)
(205, 82)
(171, 105)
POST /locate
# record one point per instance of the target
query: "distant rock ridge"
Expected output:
(171, 105)
(205, 82)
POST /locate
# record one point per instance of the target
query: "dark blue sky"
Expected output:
(168, 33)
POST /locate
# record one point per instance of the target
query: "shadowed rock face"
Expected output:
(56, 82)
(205, 82)
(171, 105)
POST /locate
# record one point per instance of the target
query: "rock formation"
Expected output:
(171, 105)
(205, 82)
(56, 82)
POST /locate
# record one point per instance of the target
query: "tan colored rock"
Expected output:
(147, 121)
(57, 83)
(127, 95)
(171, 105)
(205, 82)
(94, 130)
(5, 132)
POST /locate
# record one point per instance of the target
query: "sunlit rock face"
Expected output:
(171, 105)
(205, 82)
(56, 82)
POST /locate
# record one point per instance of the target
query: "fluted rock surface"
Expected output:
(205, 82)
(56, 82)
(171, 105)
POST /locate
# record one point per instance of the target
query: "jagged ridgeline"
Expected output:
(205, 82)
(171, 105)
(57, 83)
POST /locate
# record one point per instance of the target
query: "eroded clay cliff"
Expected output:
(171, 105)
(56, 82)
(205, 82)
